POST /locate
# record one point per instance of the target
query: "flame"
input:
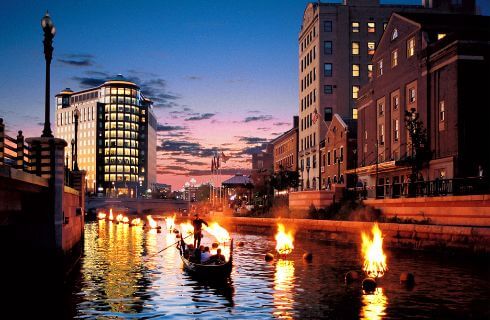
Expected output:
(186, 229)
(218, 232)
(284, 240)
(372, 250)
(284, 289)
(101, 215)
(119, 218)
(125, 220)
(170, 222)
(153, 223)
(374, 305)
(136, 222)
(111, 216)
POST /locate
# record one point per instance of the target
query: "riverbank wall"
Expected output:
(406, 236)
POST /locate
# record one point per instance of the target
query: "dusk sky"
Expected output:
(223, 74)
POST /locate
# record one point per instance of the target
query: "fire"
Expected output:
(372, 250)
(136, 222)
(284, 240)
(218, 232)
(125, 220)
(170, 222)
(111, 216)
(101, 215)
(153, 223)
(186, 229)
(119, 218)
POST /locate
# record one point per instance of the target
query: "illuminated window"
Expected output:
(381, 108)
(327, 47)
(355, 48)
(440, 36)
(410, 47)
(380, 67)
(355, 92)
(381, 129)
(327, 69)
(411, 95)
(396, 102)
(370, 70)
(396, 129)
(355, 27)
(371, 46)
(394, 58)
(354, 113)
(442, 111)
(355, 70)
(371, 26)
(394, 34)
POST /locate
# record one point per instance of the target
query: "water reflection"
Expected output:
(283, 289)
(374, 305)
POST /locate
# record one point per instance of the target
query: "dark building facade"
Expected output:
(436, 67)
(285, 149)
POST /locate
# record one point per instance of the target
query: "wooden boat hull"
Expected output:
(209, 271)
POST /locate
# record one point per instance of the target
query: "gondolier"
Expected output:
(197, 224)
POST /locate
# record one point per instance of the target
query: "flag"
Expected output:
(316, 116)
(225, 158)
(217, 162)
(212, 165)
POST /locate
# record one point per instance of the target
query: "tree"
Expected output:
(284, 179)
(418, 138)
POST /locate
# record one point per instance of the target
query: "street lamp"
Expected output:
(49, 32)
(76, 114)
(73, 154)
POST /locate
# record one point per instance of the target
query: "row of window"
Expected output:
(310, 163)
(121, 160)
(124, 108)
(121, 134)
(122, 126)
(395, 56)
(121, 152)
(356, 48)
(335, 159)
(308, 79)
(371, 27)
(308, 58)
(121, 143)
(68, 117)
(114, 169)
(83, 97)
(120, 91)
(308, 39)
(308, 141)
(120, 177)
(308, 100)
(286, 162)
(285, 147)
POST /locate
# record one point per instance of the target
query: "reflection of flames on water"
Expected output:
(101, 215)
(372, 251)
(119, 218)
(374, 305)
(136, 222)
(283, 289)
(218, 232)
(153, 223)
(284, 240)
(111, 216)
(170, 222)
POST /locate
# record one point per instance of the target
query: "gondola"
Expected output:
(207, 271)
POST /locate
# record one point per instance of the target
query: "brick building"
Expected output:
(339, 152)
(263, 160)
(285, 149)
(336, 44)
(436, 65)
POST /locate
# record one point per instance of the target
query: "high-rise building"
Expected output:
(336, 44)
(116, 136)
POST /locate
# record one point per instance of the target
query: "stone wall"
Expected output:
(447, 210)
(301, 201)
(409, 236)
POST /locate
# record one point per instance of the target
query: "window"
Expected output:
(327, 47)
(371, 47)
(396, 129)
(327, 26)
(355, 92)
(354, 113)
(381, 108)
(381, 129)
(394, 58)
(410, 47)
(371, 26)
(327, 69)
(355, 27)
(328, 114)
(394, 34)
(385, 24)
(328, 158)
(442, 111)
(370, 70)
(355, 48)
(328, 89)
(440, 36)
(380, 68)
(355, 70)
(396, 102)
(411, 95)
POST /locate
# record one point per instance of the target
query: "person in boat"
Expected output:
(197, 224)
(217, 258)
(206, 255)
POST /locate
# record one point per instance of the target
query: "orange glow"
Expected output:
(186, 229)
(374, 305)
(284, 240)
(153, 223)
(119, 218)
(218, 232)
(372, 251)
(170, 222)
(111, 216)
(101, 215)
(125, 220)
(136, 222)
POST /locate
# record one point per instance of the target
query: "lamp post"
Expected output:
(307, 177)
(76, 114)
(49, 32)
(72, 154)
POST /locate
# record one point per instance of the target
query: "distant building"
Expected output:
(336, 44)
(263, 160)
(116, 136)
(339, 153)
(436, 65)
(163, 190)
(285, 149)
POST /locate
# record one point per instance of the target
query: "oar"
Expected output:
(173, 244)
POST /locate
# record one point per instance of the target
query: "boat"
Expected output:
(206, 271)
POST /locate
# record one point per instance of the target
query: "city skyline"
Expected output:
(243, 78)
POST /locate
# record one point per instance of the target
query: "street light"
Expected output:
(49, 32)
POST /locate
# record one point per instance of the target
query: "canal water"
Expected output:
(121, 277)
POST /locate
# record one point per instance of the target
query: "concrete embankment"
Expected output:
(409, 236)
